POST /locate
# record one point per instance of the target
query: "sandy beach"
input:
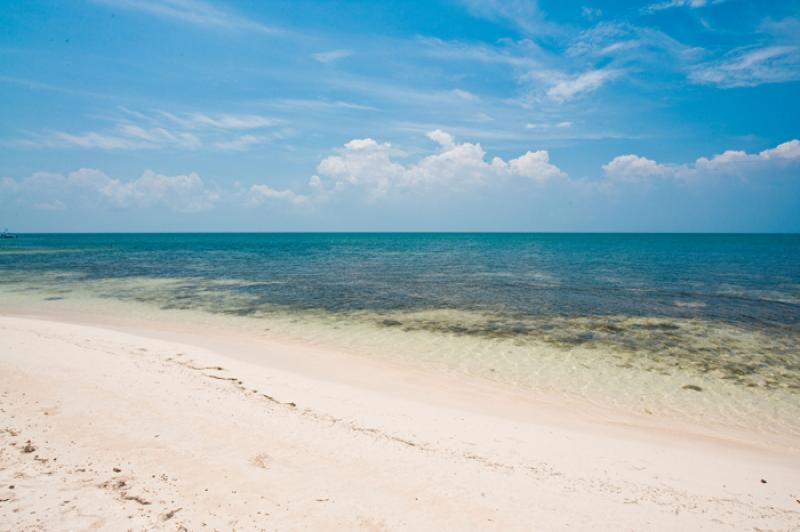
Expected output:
(116, 428)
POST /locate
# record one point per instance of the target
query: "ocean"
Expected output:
(701, 327)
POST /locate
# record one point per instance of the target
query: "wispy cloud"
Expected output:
(559, 125)
(669, 4)
(90, 139)
(523, 14)
(331, 56)
(159, 130)
(40, 86)
(244, 142)
(195, 12)
(590, 81)
(748, 67)
(221, 121)
(318, 104)
(522, 54)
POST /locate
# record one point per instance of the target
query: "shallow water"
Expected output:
(705, 327)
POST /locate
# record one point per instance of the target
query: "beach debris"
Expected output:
(169, 515)
(29, 448)
(232, 379)
(117, 470)
(135, 498)
(763, 481)
(692, 387)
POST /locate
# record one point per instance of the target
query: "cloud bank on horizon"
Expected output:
(520, 115)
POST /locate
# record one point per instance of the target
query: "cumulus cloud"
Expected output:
(52, 191)
(259, 194)
(783, 153)
(369, 166)
(367, 163)
(633, 168)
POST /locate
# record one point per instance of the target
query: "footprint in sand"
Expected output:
(261, 460)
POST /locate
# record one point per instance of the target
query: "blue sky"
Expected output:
(190, 115)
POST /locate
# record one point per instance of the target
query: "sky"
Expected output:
(443, 115)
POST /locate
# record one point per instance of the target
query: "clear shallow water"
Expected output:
(640, 321)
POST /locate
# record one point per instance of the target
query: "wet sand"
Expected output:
(133, 427)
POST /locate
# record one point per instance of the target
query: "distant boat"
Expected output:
(6, 234)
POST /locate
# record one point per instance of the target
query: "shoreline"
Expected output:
(263, 429)
(399, 378)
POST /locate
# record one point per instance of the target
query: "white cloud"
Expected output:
(590, 81)
(366, 163)
(221, 121)
(164, 130)
(524, 14)
(262, 193)
(786, 152)
(241, 143)
(749, 67)
(632, 168)
(591, 12)
(465, 95)
(91, 139)
(181, 192)
(195, 12)
(445, 140)
(45, 190)
(565, 124)
(159, 136)
(517, 54)
(625, 46)
(669, 4)
(125, 137)
(331, 56)
(535, 165)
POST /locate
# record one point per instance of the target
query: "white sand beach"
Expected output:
(117, 428)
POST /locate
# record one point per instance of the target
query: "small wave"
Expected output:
(689, 304)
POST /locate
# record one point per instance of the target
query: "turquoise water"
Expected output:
(718, 312)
